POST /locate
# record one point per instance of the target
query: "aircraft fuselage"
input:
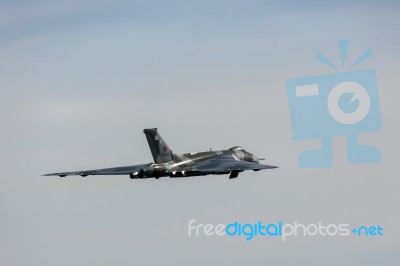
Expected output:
(176, 168)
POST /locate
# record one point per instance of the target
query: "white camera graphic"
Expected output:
(333, 105)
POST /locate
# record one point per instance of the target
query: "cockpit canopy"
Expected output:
(242, 154)
(237, 148)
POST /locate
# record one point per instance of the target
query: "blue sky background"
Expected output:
(79, 80)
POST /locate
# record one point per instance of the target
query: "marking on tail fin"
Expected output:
(160, 150)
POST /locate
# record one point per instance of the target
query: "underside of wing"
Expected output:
(226, 167)
(123, 170)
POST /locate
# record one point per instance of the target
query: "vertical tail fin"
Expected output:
(159, 148)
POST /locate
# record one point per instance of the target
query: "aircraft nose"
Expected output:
(255, 159)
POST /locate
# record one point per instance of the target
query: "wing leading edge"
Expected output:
(123, 170)
(234, 166)
(225, 167)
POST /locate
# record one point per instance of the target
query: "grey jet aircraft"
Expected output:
(166, 163)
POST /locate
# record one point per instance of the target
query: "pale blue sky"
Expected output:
(80, 80)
